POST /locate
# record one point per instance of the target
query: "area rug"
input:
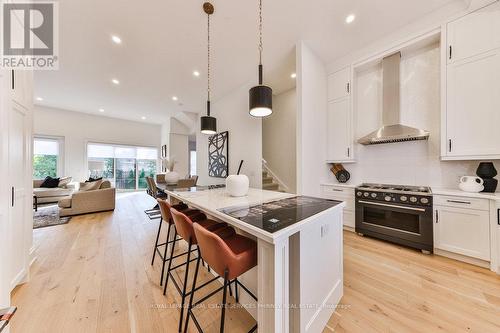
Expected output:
(48, 216)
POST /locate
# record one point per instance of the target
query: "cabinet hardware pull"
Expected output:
(498, 216)
(348, 87)
(13, 196)
(437, 216)
(459, 202)
(13, 80)
(336, 190)
(449, 145)
(451, 51)
(348, 152)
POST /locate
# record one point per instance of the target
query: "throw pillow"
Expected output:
(50, 182)
(93, 179)
(90, 186)
(64, 181)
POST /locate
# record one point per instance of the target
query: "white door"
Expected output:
(474, 34)
(462, 231)
(473, 110)
(339, 85)
(338, 131)
(17, 164)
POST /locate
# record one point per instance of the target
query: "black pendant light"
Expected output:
(208, 123)
(261, 96)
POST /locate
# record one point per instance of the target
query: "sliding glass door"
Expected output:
(125, 166)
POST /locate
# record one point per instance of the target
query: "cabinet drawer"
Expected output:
(462, 202)
(341, 194)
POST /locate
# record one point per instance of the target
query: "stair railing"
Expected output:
(281, 184)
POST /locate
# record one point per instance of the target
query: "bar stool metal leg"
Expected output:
(165, 253)
(183, 296)
(156, 243)
(193, 288)
(224, 296)
(170, 261)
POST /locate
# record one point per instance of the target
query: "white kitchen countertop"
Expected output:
(211, 201)
(460, 193)
(340, 184)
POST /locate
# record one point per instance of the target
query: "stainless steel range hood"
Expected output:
(392, 130)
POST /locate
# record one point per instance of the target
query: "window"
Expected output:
(47, 159)
(192, 163)
(124, 166)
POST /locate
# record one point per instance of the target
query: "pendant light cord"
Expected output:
(208, 64)
(260, 42)
(260, 32)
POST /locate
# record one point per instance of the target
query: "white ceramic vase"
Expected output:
(171, 177)
(237, 185)
(471, 184)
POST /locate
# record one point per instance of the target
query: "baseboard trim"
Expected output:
(466, 259)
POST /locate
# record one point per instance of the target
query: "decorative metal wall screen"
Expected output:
(218, 155)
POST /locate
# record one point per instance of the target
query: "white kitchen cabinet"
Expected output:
(474, 34)
(339, 84)
(342, 193)
(460, 229)
(471, 112)
(339, 131)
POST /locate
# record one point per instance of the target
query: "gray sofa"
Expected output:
(49, 195)
(92, 201)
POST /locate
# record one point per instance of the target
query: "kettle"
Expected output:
(471, 184)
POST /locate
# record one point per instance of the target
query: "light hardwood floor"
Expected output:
(94, 275)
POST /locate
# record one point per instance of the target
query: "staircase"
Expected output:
(268, 182)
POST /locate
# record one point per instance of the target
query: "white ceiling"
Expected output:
(165, 40)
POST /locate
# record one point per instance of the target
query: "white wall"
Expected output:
(245, 138)
(311, 121)
(279, 146)
(79, 128)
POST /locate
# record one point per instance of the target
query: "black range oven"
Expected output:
(399, 214)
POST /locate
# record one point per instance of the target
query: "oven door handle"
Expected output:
(392, 206)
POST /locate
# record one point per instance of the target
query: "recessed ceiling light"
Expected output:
(101, 110)
(39, 99)
(116, 39)
(115, 81)
(350, 18)
(143, 118)
(196, 73)
(174, 98)
(293, 75)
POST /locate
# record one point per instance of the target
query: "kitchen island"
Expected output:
(299, 278)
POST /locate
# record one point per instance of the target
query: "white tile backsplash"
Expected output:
(411, 163)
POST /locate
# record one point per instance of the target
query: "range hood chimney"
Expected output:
(392, 130)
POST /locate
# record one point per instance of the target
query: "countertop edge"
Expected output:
(460, 193)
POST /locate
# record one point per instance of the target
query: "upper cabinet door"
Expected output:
(339, 85)
(473, 106)
(474, 34)
(338, 131)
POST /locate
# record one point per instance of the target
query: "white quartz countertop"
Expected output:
(460, 193)
(339, 184)
(210, 201)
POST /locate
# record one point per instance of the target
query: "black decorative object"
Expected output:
(340, 173)
(208, 123)
(218, 155)
(261, 96)
(487, 171)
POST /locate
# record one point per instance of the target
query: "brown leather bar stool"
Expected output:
(230, 255)
(165, 207)
(184, 227)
